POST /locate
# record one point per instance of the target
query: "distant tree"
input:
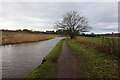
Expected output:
(73, 23)
(83, 34)
(50, 32)
(18, 30)
(62, 32)
(25, 30)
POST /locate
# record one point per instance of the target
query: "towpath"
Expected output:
(66, 63)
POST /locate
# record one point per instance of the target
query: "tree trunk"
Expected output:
(72, 36)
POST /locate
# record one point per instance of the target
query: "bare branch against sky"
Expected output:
(102, 16)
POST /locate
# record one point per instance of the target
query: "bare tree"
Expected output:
(73, 23)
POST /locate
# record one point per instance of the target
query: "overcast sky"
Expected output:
(102, 16)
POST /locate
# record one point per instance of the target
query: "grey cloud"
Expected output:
(43, 15)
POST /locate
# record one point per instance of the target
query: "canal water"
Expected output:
(20, 59)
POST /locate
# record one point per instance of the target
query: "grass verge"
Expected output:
(92, 63)
(49, 66)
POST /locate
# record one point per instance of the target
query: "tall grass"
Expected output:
(21, 37)
(103, 45)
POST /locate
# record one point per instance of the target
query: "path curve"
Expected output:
(66, 63)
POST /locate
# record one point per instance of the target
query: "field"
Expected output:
(100, 40)
(102, 44)
(9, 37)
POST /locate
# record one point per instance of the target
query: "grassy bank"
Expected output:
(49, 66)
(92, 63)
(22, 37)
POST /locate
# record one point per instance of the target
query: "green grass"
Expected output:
(92, 63)
(49, 67)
